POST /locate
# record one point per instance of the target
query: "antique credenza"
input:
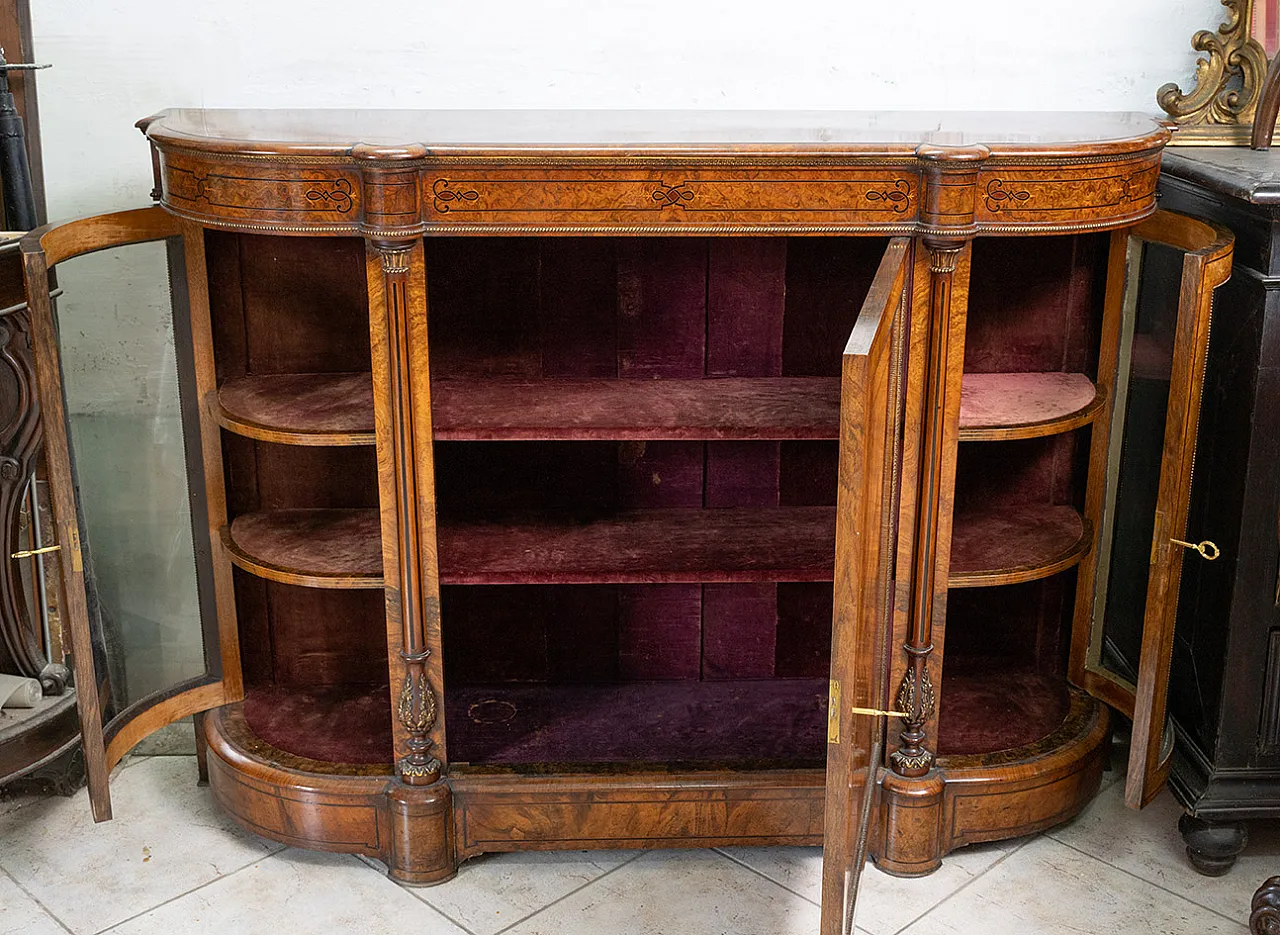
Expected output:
(641, 479)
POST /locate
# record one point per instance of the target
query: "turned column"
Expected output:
(949, 195)
(397, 282)
(403, 421)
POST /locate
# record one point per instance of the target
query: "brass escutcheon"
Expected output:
(1208, 551)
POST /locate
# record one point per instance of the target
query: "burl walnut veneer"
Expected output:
(594, 479)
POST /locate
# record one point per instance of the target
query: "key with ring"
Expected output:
(1208, 551)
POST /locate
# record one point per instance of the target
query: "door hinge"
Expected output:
(833, 713)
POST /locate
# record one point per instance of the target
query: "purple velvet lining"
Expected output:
(345, 724)
(648, 722)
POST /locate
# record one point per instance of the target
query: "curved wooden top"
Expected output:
(389, 174)
(388, 133)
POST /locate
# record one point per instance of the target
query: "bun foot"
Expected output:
(1212, 846)
(1265, 919)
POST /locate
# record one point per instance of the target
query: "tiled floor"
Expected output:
(172, 863)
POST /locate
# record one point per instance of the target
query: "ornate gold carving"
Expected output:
(395, 259)
(676, 196)
(897, 198)
(417, 709)
(443, 195)
(430, 770)
(943, 260)
(909, 764)
(417, 713)
(906, 698)
(999, 197)
(1221, 106)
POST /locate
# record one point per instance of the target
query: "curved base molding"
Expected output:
(422, 832)
(969, 799)
(362, 810)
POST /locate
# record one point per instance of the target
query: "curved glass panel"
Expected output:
(125, 414)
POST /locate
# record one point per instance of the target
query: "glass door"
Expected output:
(119, 378)
(1155, 340)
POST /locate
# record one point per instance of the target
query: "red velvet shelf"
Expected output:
(1015, 544)
(714, 722)
(342, 548)
(582, 410)
(719, 722)
(312, 548)
(300, 408)
(335, 724)
(998, 707)
(1005, 406)
(337, 408)
(782, 719)
(646, 547)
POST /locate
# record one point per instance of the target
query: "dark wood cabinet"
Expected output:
(1225, 684)
(612, 480)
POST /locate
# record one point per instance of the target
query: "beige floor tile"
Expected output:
(1047, 888)
(168, 837)
(498, 890)
(176, 739)
(295, 893)
(684, 892)
(1147, 844)
(22, 915)
(882, 897)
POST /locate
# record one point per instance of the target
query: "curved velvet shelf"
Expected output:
(299, 408)
(348, 725)
(311, 548)
(337, 408)
(1009, 545)
(1007, 406)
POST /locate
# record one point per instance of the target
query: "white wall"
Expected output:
(118, 60)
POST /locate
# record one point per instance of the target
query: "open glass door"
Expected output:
(119, 385)
(871, 406)
(1156, 336)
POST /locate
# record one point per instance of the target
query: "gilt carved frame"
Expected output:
(1219, 109)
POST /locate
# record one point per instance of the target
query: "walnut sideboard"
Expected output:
(639, 479)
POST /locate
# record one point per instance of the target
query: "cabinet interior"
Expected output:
(314, 658)
(635, 477)
(1035, 306)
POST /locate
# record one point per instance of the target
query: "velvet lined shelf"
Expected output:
(506, 724)
(337, 408)
(339, 548)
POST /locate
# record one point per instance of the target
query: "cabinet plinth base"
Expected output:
(910, 820)
(970, 799)
(422, 832)
(422, 851)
